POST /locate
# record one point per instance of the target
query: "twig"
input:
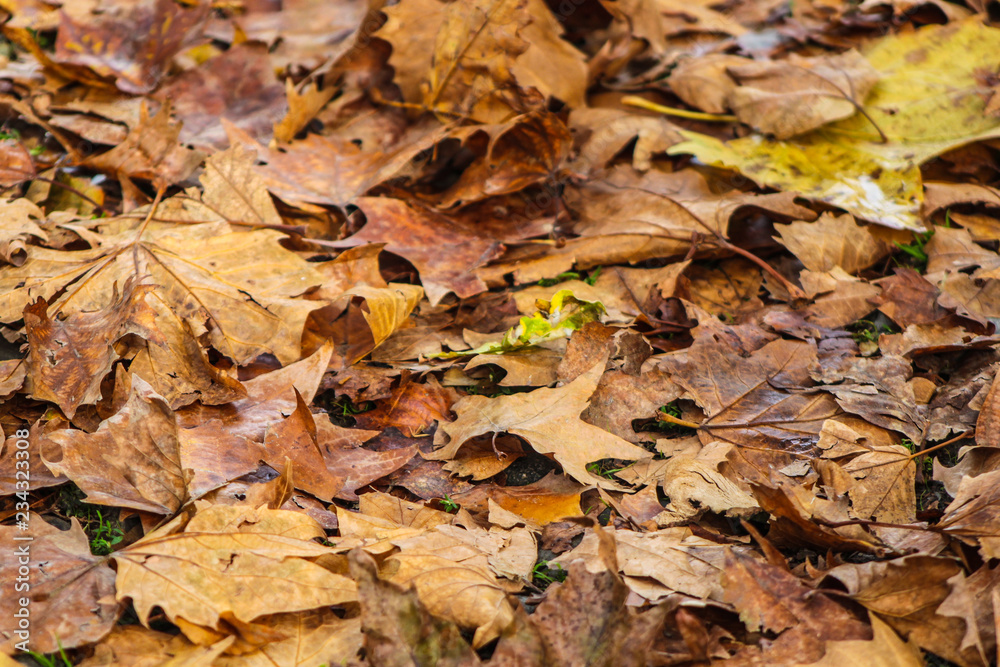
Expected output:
(941, 445)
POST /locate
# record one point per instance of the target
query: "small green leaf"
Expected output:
(557, 318)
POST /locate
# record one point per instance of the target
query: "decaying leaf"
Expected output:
(507, 332)
(868, 164)
(70, 590)
(549, 419)
(229, 561)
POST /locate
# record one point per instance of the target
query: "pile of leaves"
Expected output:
(591, 332)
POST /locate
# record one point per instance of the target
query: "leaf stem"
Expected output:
(643, 103)
(664, 417)
(915, 455)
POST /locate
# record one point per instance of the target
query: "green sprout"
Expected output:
(449, 505)
(565, 275)
(546, 572)
(52, 660)
(105, 533)
(916, 250)
(602, 469)
(106, 536)
(866, 330)
(594, 275)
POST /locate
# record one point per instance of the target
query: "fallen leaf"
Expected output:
(133, 460)
(544, 417)
(870, 161)
(395, 623)
(238, 85)
(833, 241)
(124, 45)
(69, 355)
(760, 401)
(151, 151)
(132, 646)
(797, 95)
(69, 589)
(228, 554)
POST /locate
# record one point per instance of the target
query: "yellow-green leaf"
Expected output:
(557, 318)
(927, 101)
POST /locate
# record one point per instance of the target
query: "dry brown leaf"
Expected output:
(69, 354)
(134, 646)
(302, 108)
(295, 440)
(953, 249)
(620, 399)
(548, 500)
(312, 638)
(585, 621)
(729, 289)
(772, 599)
(133, 460)
(974, 514)
(70, 591)
(884, 649)
(268, 399)
(704, 82)
(134, 46)
(459, 587)
(546, 418)
(229, 561)
(522, 152)
(888, 589)
(602, 133)
(41, 477)
(761, 401)
(662, 562)
(907, 298)
(796, 95)
(17, 226)
(151, 152)
(238, 85)
(694, 484)
(833, 241)
(17, 164)
(395, 623)
(840, 298)
(235, 191)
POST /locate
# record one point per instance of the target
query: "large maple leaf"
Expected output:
(549, 419)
